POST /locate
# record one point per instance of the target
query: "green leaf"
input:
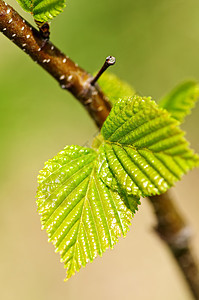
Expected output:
(181, 100)
(43, 10)
(25, 4)
(86, 196)
(114, 88)
(82, 216)
(144, 151)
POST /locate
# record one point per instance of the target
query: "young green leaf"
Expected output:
(25, 4)
(114, 88)
(82, 216)
(43, 10)
(86, 197)
(181, 100)
(144, 151)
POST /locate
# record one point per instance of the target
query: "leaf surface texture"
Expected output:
(82, 216)
(86, 197)
(43, 10)
(144, 149)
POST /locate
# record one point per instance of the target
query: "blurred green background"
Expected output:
(156, 44)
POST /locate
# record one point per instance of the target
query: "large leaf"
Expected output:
(86, 197)
(144, 151)
(82, 216)
(114, 88)
(181, 100)
(43, 10)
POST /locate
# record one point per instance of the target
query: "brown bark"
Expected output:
(172, 228)
(69, 75)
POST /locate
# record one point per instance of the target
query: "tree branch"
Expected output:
(63, 69)
(171, 226)
(173, 230)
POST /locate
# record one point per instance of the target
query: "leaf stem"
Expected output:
(171, 226)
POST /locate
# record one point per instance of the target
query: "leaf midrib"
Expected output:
(80, 222)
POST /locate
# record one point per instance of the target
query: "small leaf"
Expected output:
(82, 216)
(43, 10)
(181, 100)
(25, 4)
(114, 88)
(144, 151)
